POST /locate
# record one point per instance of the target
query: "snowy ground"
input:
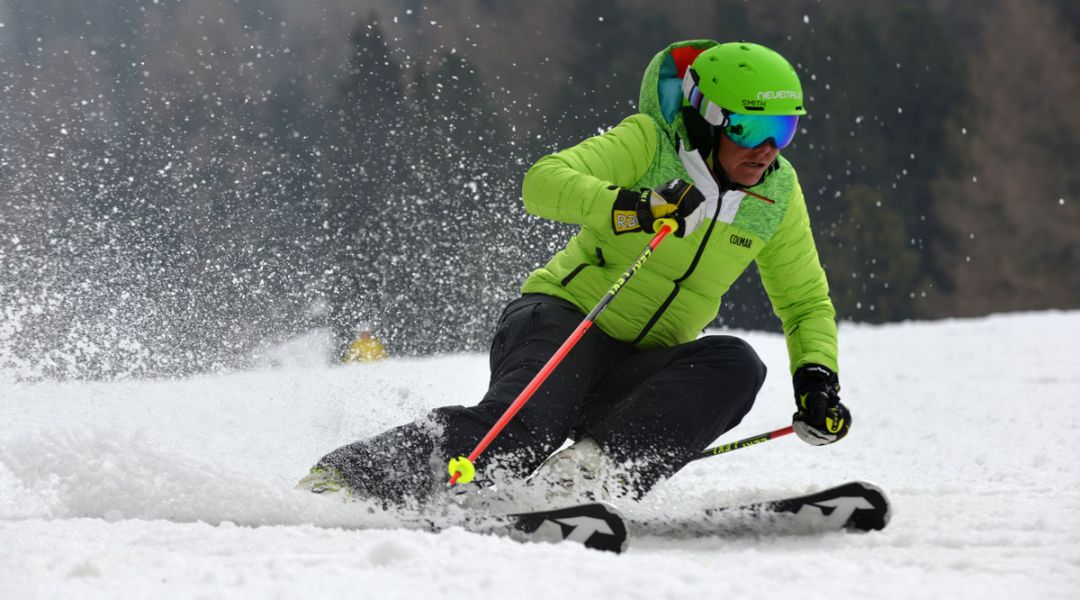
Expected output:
(183, 488)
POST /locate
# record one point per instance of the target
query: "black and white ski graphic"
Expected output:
(853, 506)
(598, 526)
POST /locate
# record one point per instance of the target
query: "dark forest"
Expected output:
(183, 182)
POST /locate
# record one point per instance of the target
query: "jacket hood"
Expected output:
(661, 87)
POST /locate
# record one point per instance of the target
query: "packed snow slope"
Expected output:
(184, 488)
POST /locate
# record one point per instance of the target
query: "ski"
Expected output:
(852, 506)
(598, 526)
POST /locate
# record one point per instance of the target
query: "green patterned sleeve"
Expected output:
(574, 185)
(792, 275)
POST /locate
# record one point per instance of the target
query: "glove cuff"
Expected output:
(811, 376)
(630, 213)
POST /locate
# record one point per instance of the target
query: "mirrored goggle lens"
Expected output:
(750, 131)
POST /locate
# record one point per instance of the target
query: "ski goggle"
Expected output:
(750, 131)
(746, 130)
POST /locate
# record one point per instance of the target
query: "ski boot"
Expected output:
(580, 473)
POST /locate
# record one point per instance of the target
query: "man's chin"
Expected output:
(749, 180)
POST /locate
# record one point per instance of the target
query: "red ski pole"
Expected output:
(750, 441)
(462, 468)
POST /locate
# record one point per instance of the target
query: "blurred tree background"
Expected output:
(183, 182)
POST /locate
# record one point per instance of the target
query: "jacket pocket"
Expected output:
(599, 262)
(566, 280)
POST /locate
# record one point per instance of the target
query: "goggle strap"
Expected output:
(712, 113)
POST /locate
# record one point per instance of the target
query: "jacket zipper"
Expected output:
(675, 290)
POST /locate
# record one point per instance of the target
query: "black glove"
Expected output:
(821, 418)
(677, 199)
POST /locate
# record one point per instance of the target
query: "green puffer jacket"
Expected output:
(677, 292)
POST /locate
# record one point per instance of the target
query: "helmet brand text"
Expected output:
(779, 95)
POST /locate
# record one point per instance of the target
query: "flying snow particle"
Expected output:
(806, 18)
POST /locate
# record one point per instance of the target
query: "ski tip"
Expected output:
(870, 519)
(598, 526)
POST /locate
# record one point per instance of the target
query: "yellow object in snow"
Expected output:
(364, 348)
(463, 468)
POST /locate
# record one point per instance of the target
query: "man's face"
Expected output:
(745, 166)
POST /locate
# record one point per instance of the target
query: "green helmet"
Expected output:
(742, 78)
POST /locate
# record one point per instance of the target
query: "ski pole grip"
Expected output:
(660, 223)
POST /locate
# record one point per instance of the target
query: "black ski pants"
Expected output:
(652, 410)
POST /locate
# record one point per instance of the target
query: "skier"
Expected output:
(641, 394)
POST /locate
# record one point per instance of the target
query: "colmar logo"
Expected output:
(742, 242)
